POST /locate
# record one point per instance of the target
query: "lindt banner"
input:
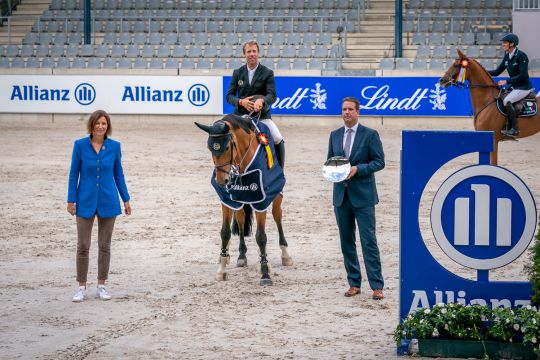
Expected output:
(379, 96)
(117, 94)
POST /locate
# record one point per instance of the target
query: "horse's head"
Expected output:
(221, 145)
(453, 75)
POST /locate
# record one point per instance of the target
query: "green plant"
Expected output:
(534, 269)
(465, 322)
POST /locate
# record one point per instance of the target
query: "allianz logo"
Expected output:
(149, 94)
(35, 93)
(84, 93)
(252, 187)
(421, 300)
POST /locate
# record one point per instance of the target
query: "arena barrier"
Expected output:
(205, 95)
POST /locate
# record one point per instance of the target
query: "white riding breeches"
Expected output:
(515, 95)
(276, 134)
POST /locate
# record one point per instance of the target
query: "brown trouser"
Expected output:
(84, 234)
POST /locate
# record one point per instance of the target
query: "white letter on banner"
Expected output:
(416, 104)
(379, 94)
(420, 300)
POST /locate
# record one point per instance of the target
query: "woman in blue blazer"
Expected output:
(96, 178)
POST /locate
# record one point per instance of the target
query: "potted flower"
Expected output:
(456, 330)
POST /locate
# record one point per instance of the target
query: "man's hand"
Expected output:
(501, 82)
(259, 103)
(353, 172)
(247, 103)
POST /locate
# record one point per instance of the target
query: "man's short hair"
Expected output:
(353, 100)
(250, 42)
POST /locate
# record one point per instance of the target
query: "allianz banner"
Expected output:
(116, 94)
(388, 96)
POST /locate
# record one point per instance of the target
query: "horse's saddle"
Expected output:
(524, 107)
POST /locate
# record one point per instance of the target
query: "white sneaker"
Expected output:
(102, 293)
(80, 295)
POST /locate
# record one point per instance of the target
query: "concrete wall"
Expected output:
(526, 24)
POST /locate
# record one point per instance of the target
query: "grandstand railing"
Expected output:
(476, 22)
(526, 5)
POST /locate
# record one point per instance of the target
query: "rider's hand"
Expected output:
(247, 103)
(258, 105)
(501, 82)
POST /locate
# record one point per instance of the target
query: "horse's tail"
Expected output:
(248, 222)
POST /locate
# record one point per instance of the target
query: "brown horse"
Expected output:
(484, 94)
(233, 143)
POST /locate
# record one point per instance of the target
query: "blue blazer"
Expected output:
(368, 156)
(96, 179)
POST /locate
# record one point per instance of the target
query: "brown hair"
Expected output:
(250, 42)
(94, 117)
(353, 100)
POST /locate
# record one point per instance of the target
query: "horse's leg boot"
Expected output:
(512, 121)
(280, 153)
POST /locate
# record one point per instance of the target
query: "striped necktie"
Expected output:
(347, 148)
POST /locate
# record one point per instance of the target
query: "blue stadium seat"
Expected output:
(403, 64)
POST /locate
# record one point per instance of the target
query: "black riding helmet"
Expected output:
(513, 38)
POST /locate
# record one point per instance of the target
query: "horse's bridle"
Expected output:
(234, 170)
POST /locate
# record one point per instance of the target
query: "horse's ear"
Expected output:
(204, 128)
(460, 54)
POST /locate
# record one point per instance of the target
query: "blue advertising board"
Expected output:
(379, 96)
(482, 217)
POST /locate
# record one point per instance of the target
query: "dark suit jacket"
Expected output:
(263, 84)
(368, 156)
(518, 69)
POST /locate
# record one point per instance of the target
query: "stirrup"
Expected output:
(513, 133)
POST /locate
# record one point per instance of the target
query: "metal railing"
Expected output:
(526, 5)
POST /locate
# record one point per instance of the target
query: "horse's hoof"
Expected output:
(265, 282)
(221, 276)
(287, 261)
(241, 262)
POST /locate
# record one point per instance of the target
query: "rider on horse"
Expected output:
(516, 64)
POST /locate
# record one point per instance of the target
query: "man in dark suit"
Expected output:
(252, 90)
(354, 199)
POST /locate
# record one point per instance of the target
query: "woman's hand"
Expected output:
(127, 208)
(71, 208)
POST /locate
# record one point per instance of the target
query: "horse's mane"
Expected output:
(483, 68)
(239, 122)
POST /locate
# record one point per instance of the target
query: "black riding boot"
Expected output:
(513, 130)
(280, 153)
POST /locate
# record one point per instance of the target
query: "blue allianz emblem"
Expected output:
(198, 95)
(85, 94)
(483, 217)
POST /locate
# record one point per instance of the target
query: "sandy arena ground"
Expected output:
(166, 303)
